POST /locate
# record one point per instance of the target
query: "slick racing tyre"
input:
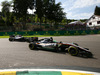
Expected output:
(73, 51)
(10, 39)
(32, 46)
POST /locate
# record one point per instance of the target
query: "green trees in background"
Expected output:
(20, 8)
(49, 10)
(39, 9)
(97, 10)
(46, 11)
(55, 13)
(7, 15)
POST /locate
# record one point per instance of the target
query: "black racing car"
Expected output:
(22, 39)
(72, 48)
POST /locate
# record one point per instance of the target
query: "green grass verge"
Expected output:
(29, 36)
(4, 36)
(41, 36)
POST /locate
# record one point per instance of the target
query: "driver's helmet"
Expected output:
(51, 39)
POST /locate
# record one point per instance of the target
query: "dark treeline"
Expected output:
(97, 10)
(46, 11)
(47, 15)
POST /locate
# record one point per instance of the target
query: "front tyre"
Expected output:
(73, 51)
(32, 46)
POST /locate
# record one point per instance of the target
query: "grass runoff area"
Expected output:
(40, 36)
(45, 35)
(30, 36)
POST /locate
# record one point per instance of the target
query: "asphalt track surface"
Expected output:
(18, 54)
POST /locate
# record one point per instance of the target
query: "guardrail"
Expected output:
(54, 33)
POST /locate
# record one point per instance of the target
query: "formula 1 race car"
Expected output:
(71, 48)
(22, 39)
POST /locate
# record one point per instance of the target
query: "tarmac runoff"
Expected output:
(46, 72)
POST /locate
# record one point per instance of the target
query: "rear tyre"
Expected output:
(73, 51)
(10, 39)
(32, 46)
